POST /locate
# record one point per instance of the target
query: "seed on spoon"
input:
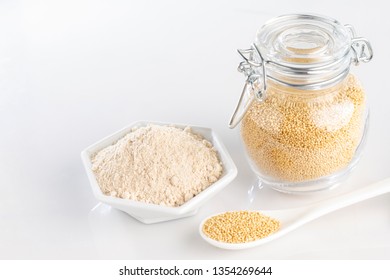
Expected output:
(240, 226)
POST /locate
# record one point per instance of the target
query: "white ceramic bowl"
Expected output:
(152, 213)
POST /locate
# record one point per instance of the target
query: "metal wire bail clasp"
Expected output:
(360, 46)
(253, 67)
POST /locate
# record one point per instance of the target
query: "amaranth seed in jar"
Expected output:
(303, 113)
(307, 137)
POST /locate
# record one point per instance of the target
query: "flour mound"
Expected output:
(156, 164)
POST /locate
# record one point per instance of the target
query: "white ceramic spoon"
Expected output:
(291, 219)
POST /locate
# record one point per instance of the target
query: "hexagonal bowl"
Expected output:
(152, 213)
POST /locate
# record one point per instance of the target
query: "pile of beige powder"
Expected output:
(156, 164)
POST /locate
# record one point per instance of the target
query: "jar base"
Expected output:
(324, 183)
(321, 184)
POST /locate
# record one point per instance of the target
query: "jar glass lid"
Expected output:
(308, 51)
(303, 41)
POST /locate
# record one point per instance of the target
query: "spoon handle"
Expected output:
(344, 200)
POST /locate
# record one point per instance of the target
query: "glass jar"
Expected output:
(303, 114)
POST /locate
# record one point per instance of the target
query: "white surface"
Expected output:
(150, 213)
(72, 72)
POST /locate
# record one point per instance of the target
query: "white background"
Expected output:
(72, 72)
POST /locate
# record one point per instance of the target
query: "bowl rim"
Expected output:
(229, 169)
